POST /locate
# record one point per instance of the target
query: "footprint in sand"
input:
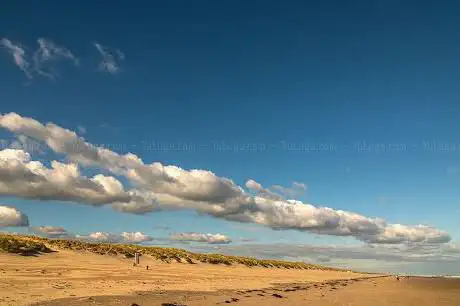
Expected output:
(231, 300)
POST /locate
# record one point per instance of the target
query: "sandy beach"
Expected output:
(384, 291)
(79, 278)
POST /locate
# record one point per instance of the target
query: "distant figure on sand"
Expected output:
(136, 258)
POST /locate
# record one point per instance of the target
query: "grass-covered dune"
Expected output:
(22, 245)
(32, 245)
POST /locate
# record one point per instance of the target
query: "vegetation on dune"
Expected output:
(26, 245)
(22, 246)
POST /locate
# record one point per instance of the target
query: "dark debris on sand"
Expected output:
(231, 300)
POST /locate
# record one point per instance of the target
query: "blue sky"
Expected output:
(357, 100)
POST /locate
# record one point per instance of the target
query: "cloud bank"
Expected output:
(159, 187)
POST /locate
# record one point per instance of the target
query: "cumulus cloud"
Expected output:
(19, 176)
(169, 182)
(110, 59)
(136, 237)
(253, 185)
(19, 56)
(139, 203)
(51, 231)
(47, 53)
(125, 237)
(10, 216)
(159, 187)
(200, 237)
(398, 233)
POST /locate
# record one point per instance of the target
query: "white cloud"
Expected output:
(200, 237)
(47, 53)
(253, 185)
(19, 176)
(161, 187)
(10, 216)
(43, 58)
(136, 237)
(125, 237)
(139, 203)
(101, 237)
(52, 231)
(398, 233)
(110, 59)
(19, 55)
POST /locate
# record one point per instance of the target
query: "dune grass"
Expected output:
(26, 245)
(22, 246)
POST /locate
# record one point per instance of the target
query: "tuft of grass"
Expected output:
(26, 245)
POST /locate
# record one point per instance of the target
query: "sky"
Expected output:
(319, 131)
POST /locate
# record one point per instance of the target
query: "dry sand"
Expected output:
(71, 278)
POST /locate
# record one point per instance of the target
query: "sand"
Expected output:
(71, 278)
(361, 292)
